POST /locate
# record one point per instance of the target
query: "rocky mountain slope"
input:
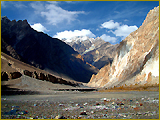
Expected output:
(94, 51)
(40, 50)
(102, 55)
(137, 58)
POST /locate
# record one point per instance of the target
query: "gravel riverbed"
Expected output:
(82, 105)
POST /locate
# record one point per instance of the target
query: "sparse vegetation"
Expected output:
(136, 87)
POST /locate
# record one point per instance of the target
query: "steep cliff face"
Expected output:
(42, 51)
(137, 58)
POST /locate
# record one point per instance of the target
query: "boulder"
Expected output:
(14, 75)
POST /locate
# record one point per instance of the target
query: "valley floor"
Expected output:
(85, 105)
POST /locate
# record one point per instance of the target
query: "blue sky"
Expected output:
(110, 20)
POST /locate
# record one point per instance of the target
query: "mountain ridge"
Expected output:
(44, 52)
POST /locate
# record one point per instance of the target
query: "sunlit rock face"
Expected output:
(137, 58)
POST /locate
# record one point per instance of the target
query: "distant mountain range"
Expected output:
(20, 41)
(94, 51)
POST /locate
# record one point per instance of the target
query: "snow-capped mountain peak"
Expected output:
(78, 39)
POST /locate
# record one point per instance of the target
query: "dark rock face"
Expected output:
(42, 51)
(4, 76)
(9, 50)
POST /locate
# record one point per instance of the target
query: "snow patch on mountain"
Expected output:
(90, 49)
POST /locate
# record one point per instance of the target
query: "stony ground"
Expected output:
(85, 105)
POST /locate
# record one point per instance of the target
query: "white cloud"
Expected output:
(39, 27)
(53, 13)
(108, 38)
(69, 34)
(110, 24)
(56, 14)
(124, 30)
(117, 29)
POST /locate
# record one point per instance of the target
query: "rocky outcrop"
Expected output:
(50, 78)
(14, 75)
(39, 76)
(28, 73)
(42, 51)
(137, 58)
(13, 69)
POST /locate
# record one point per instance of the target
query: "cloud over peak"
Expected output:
(39, 27)
(70, 34)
